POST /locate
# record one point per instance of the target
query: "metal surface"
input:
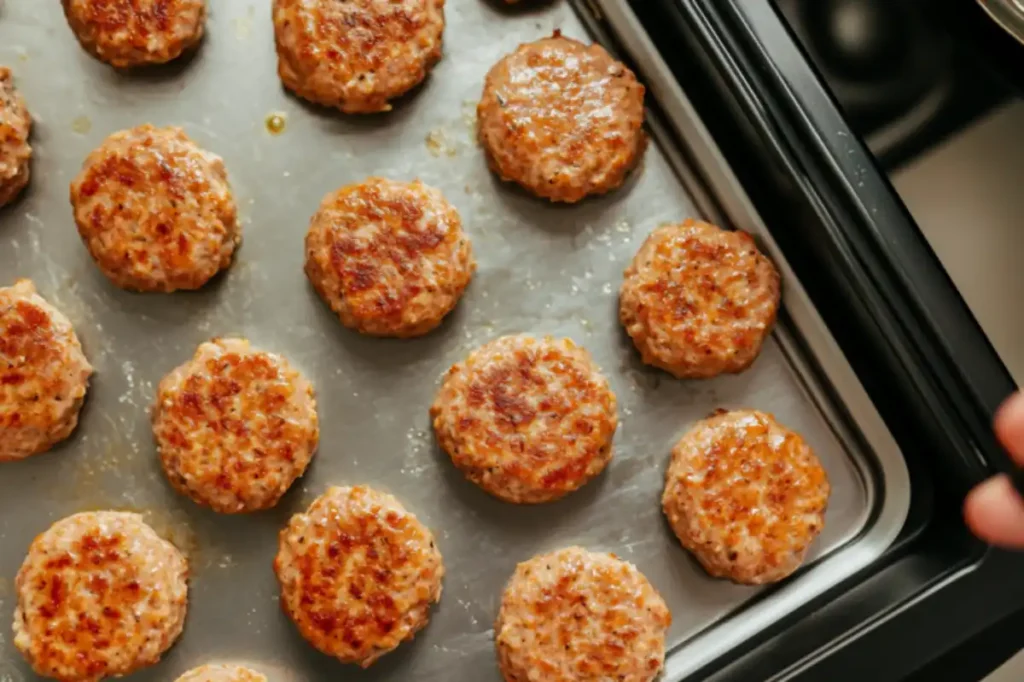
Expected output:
(543, 269)
(1007, 13)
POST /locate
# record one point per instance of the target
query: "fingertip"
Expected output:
(1009, 425)
(995, 513)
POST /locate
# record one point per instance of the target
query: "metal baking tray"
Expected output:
(545, 269)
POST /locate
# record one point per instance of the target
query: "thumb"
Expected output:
(993, 510)
(1009, 424)
(995, 513)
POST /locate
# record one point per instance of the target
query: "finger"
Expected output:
(995, 513)
(1009, 426)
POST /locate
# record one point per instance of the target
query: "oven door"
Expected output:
(905, 329)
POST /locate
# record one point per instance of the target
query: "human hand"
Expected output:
(994, 510)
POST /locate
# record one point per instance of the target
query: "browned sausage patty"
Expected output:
(155, 211)
(746, 496)
(15, 129)
(390, 258)
(126, 33)
(698, 300)
(579, 616)
(528, 420)
(100, 594)
(358, 574)
(562, 119)
(43, 373)
(356, 55)
(222, 673)
(235, 426)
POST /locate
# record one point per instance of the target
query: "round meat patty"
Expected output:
(359, 54)
(156, 211)
(527, 420)
(746, 496)
(127, 33)
(235, 426)
(390, 258)
(562, 119)
(575, 615)
(100, 594)
(699, 300)
(15, 129)
(222, 673)
(44, 374)
(358, 574)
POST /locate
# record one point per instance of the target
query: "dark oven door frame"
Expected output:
(907, 332)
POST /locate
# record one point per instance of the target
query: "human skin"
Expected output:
(994, 510)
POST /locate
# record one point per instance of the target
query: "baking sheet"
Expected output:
(543, 269)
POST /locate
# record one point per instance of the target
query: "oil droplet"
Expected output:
(243, 27)
(435, 141)
(276, 123)
(438, 144)
(81, 125)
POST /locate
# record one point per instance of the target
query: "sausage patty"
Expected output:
(126, 33)
(100, 594)
(358, 54)
(575, 615)
(562, 119)
(155, 210)
(15, 129)
(527, 420)
(43, 373)
(746, 496)
(390, 258)
(358, 574)
(699, 300)
(235, 426)
(222, 673)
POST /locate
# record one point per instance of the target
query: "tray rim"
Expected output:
(722, 197)
(895, 313)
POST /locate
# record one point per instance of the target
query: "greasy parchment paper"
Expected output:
(543, 268)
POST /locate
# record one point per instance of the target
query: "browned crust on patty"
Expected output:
(235, 426)
(356, 55)
(699, 301)
(390, 258)
(562, 119)
(222, 673)
(100, 594)
(44, 375)
(155, 210)
(528, 420)
(127, 33)
(575, 615)
(15, 129)
(358, 574)
(746, 496)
